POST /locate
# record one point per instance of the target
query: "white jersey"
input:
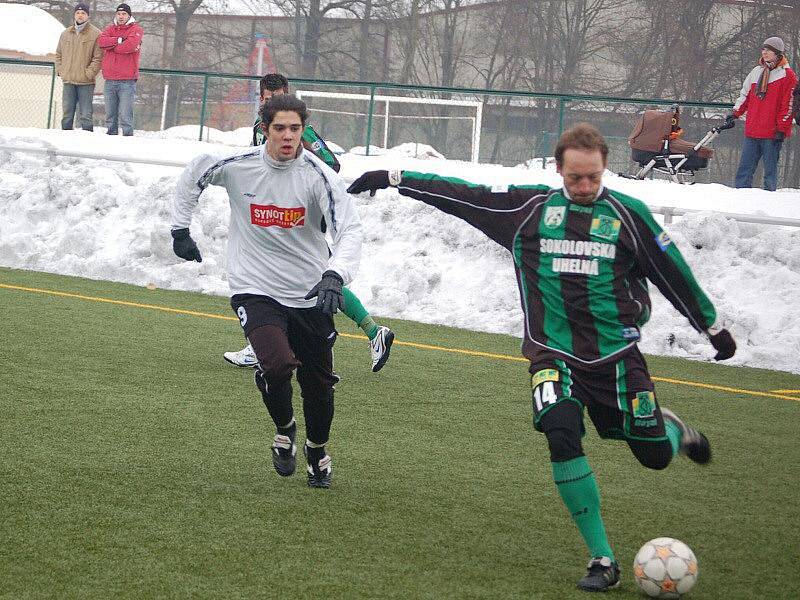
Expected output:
(276, 241)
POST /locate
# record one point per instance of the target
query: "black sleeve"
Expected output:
(496, 211)
(663, 264)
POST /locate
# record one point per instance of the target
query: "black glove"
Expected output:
(723, 343)
(780, 136)
(183, 245)
(371, 180)
(328, 292)
(730, 118)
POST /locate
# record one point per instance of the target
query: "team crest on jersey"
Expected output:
(554, 216)
(268, 215)
(605, 227)
(644, 405)
(663, 240)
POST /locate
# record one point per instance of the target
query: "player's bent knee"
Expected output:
(562, 427)
(564, 444)
(653, 455)
(275, 367)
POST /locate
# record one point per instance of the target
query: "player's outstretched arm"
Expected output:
(372, 181)
(496, 210)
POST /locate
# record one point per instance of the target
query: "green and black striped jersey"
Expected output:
(311, 140)
(582, 270)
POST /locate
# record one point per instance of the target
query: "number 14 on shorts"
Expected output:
(544, 389)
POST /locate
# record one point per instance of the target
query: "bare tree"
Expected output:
(313, 14)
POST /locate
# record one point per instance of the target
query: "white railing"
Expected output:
(667, 211)
(53, 152)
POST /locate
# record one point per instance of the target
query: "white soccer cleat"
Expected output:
(380, 346)
(243, 358)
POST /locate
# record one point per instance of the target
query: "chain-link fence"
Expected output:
(28, 96)
(488, 126)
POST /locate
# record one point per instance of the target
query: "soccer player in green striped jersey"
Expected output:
(583, 255)
(380, 337)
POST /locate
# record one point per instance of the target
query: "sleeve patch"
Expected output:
(663, 240)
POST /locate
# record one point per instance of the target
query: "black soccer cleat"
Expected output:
(284, 457)
(601, 575)
(319, 474)
(693, 443)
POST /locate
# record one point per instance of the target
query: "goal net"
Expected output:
(453, 127)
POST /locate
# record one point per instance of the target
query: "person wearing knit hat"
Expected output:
(124, 8)
(775, 44)
(78, 57)
(766, 98)
(121, 42)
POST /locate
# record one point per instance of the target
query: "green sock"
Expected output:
(578, 488)
(356, 312)
(674, 434)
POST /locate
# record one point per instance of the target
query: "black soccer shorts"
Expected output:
(619, 396)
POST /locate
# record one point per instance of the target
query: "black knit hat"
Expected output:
(81, 6)
(124, 7)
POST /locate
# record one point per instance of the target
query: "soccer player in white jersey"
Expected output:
(279, 261)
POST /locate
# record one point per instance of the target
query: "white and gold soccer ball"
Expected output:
(665, 568)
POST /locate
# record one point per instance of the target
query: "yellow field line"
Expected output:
(781, 394)
(724, 388)
(179, 311)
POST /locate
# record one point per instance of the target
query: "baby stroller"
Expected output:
(656, 145)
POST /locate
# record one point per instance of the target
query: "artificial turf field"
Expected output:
(135, 464)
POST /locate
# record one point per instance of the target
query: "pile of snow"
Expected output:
(237, 138)
(416, 150)
(28, 29)
(110, 220)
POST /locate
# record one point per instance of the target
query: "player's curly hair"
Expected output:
(583, 136)
(273, 82)
(288, 102)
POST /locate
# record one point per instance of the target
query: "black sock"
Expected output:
(315, 454)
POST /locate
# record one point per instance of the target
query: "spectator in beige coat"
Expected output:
(78, 58)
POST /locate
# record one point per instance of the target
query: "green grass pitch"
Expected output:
(135, 464)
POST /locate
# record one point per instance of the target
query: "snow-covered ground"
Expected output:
(109, 220)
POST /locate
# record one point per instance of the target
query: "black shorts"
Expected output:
(255, 311)
(619, 396)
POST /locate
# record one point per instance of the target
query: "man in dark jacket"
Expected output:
(583, 255)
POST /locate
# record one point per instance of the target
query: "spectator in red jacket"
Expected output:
(121, 43)
(766, 98)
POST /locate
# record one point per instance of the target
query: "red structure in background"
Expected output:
(238, 107)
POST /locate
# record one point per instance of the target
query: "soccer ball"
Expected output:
(665, 568)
